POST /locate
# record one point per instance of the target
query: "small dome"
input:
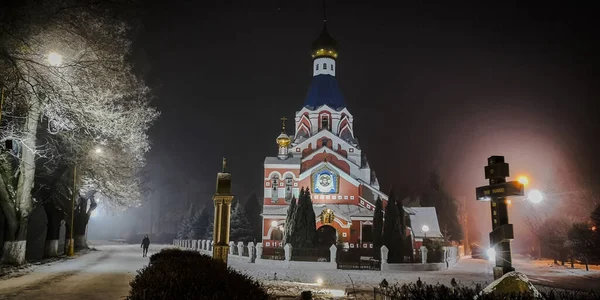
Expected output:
(283, 140)
(324, 45)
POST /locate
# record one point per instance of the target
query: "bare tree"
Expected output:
(64, 64)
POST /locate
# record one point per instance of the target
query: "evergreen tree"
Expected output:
(240, 230)
(289, 221)
(446, 208)
(311, 233)
(199, 224)
(185, 226)
(305, 230)
(377, 229)
(209, 235)
(596, 217)
(392, 234)
(253, 211)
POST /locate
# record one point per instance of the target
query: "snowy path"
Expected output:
(102, 274)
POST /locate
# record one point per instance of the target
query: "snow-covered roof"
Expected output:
(343, 211)
(279, 161)
(420, 216)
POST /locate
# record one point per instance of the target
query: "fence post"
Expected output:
(240, 247)
(259, 250)
(333, 255)
(287, 249)
(423, 254)
(251, 252)
(384, 257)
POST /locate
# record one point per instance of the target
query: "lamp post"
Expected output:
(71, 241)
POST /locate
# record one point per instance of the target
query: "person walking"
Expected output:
(145, 245)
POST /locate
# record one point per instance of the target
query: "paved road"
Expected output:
(102, 274)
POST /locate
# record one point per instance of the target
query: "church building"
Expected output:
(323, 155)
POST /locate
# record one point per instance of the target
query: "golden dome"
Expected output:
(283, 140)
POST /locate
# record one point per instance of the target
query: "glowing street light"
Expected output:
(98, 150)
(523, 180)
(535, 196)
(491, 253)
(425, 229)
(55, 59)
(274, 224)
(319, 281)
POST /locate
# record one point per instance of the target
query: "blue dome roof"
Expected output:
(324, 90)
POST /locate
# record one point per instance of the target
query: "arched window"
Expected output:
(331, 67)
(325, 122)
(324, 66)
(274, 185)
(367, 233)
(317, 67)
(288, 188)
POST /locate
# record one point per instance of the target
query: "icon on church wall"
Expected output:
(325, 181)
(327, 216)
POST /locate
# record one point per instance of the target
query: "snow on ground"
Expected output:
(467, 271)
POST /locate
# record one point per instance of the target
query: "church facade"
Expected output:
(324, 156)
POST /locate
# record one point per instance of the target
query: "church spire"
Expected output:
(324, 50)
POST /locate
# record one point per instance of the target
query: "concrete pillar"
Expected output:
(240, 247)
(251, 252)
(194, 245)
(231, 247)
(259, 250)
(423, 254)
(384, 254)
(202, 244)
(384, 258)
(333, 253)
(287, 249)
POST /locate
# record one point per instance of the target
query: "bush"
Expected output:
(421, 291)
(177, 274)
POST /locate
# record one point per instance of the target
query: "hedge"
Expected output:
(179, 274)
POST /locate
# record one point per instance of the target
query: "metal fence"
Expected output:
(311, 254)
(273, 253)
(357, 259)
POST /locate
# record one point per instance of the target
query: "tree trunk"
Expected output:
(82, 217)
(16, 240)
(53, 233)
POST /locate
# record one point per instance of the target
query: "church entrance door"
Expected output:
(327, 236)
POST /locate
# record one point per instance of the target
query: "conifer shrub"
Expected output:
(179, 274)
(422, 291)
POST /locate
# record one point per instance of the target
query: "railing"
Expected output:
(311, 254)
(357, 259)
(273, 253)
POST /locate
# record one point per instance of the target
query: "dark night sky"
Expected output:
(430, 86)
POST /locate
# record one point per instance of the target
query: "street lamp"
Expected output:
(425, 228)
(54, 59)
(98, 150)
(523, 180)
(535, 196)
(274, 224)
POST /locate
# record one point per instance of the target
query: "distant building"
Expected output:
(324, 156)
